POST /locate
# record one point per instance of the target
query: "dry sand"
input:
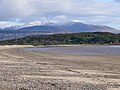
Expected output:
(23, 70)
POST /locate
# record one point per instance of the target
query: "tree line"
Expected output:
(71, 38)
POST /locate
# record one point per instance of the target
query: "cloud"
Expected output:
(14, 8)
(96, 11)
(61, 18)
(4, 24)
(23, 8)
(117, 0)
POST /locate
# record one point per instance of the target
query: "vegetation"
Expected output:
(73, 38)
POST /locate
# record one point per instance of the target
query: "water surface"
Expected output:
(81, 50)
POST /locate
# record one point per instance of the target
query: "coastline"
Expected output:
(59, 45)
(72, 45)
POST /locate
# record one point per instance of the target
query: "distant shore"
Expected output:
(60, 45)
(72, 45)
(94, 38)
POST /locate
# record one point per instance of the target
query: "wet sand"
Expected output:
(23, 70)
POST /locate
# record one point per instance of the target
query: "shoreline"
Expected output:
(71, 45)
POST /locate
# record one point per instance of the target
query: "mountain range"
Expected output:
(81, 27)
(54, 27)
(45, 28)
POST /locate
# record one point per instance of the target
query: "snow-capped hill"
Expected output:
(76, 27)
(30, 24)
(38, 23)
(73, 27)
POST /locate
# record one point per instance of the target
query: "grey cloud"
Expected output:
(117, 0)
(30, 10)
(14, 9)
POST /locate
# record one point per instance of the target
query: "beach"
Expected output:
(42, 70)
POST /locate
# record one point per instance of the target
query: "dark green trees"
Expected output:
(73, 38)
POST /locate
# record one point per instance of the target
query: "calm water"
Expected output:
(82, 50)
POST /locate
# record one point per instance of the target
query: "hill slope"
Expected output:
(64, 28)
(50, 29)
(81, 27)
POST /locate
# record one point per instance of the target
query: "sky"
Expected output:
(99, 12)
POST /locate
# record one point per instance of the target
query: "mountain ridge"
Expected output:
(71, 27)
(81, 27)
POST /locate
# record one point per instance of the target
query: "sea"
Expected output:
(81, 50)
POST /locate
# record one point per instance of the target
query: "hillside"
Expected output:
(81, 27)
(74, 27)
(47, 29)
(73, 38)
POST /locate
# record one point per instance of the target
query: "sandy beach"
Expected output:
(23, 70)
